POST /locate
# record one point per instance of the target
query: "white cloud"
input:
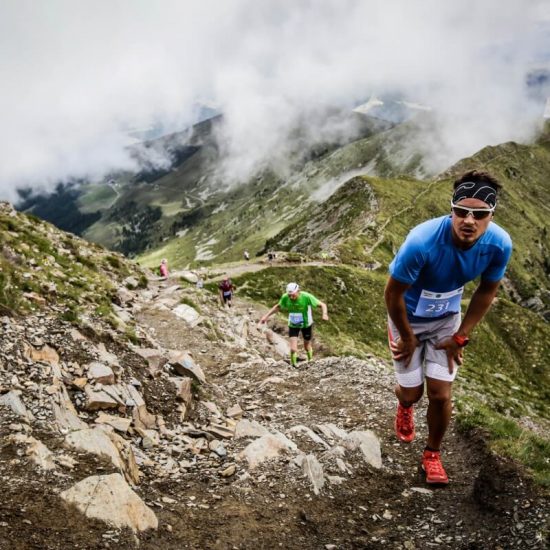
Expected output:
(74, 74)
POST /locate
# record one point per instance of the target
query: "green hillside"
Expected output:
(366, 220)
(42, 267)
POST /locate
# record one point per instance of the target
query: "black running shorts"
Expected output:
(306, 332)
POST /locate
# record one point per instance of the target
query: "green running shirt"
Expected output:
(299, 310)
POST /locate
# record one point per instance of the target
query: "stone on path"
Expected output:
(100, 373)
(45, 354)
(267, 446)
(335, 431)
(247, 428)
(311, 434)
(314, 472)
(65, 414)
(365, 441)
(369, 445)
(188, 276)
(219, 430)
(229, 471)
(13, 402)
(106, 356)
(155, 358)
(119, 423)
(280, 344)
(189, 314)
(100, 399)
(235, 411)
(36, 451)
(185, 366)
(124, 295)
(110, 499)
(422, 490)
(183, 390)
(271, 380)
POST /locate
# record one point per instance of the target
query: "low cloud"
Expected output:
(76, 75)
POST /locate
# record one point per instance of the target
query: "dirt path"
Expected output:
(235, 269)
(486, 505)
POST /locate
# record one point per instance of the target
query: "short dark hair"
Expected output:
(478, 176)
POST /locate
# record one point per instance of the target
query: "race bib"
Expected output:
(296, 318)
(438, 304)
(227, 293)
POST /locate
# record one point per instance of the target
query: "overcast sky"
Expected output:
(76, 74)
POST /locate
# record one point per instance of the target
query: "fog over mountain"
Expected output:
(77, 75)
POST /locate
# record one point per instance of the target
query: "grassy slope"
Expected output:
(96, 197)
(34, 255)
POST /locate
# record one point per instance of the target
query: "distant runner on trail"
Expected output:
(163, 269)
(226, 288)
(423, 295)
(300, 318)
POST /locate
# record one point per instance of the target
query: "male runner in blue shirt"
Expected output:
(423, 294)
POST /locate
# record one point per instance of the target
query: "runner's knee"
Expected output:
(409, 395)
(439, 392)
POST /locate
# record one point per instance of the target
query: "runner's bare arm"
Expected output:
(479, 305)
(324, 310)
(394, 296)
(269, 313)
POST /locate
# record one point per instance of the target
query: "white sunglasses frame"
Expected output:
(472, 210)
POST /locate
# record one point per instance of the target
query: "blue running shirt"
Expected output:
(437, 270)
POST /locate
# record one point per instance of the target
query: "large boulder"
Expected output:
(110, 499)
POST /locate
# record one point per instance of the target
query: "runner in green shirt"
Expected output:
(299, 305)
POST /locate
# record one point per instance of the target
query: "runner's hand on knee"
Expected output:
(403, 349)
(453, 351)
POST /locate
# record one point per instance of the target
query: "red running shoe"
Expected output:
(404, 423)
(431, 464)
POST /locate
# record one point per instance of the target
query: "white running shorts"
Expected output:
(426, 360)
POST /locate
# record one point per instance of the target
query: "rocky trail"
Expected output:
(200, 435)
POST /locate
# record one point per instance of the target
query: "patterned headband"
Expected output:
(476, 190)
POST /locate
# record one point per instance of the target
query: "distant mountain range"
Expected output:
(180, 185)
(181, 206)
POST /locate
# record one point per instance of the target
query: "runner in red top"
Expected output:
(226, 288)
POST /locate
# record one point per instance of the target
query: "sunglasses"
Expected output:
(477, 213)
